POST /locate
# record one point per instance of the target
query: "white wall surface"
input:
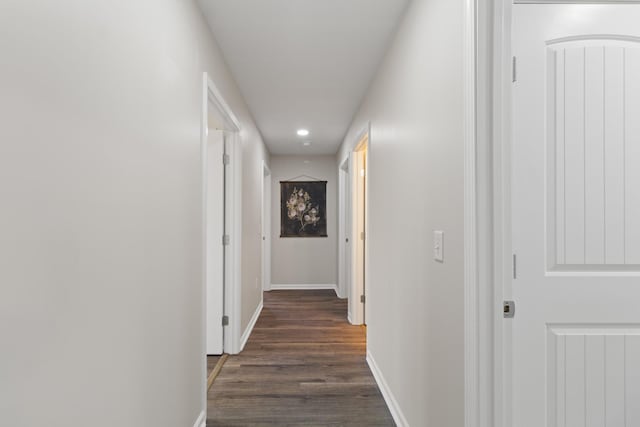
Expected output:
(100, 219)
(414, 304)
(309, 260)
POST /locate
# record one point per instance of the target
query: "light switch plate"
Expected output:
(438, 245)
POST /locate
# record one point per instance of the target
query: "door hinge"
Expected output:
(362, 235)
(226, 159)
(226, 240)
(515, 267)
(225, 320)
(362, 299)
(508, 309)
(514, 69)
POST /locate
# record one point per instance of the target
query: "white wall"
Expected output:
(304, 261)
(100, 254)
(414, 304)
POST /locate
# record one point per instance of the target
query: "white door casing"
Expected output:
(216, 114)
(576, 215)
(215, 248)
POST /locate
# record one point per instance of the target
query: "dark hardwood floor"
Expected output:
(303, 365)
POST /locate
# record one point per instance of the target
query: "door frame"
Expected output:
(359, 156)
(498, 193)
(348, 215)
(487, 214)
(211, 96)
(488, 360)
(346, 218)
(266, 227)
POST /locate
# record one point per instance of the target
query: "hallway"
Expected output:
(303, 365)
(148, 152)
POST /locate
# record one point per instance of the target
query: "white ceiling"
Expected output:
(303, 63)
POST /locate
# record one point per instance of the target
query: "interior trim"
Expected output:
(388, 396)
(247, 332)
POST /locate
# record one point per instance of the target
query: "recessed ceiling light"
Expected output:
(303, 132)
(306, 143)
(307, 161)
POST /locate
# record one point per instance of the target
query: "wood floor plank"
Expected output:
(304, 365)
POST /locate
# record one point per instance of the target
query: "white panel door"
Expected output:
(576, 215)
(348, 238)
(215, 248)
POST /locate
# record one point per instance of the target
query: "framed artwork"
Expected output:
(303, 208)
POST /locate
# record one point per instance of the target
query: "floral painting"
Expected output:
(303, 206)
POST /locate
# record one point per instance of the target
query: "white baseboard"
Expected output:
(394, 408)
(303, 287)
(247, 332)
(201, 421)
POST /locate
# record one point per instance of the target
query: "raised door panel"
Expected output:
(593, 375)
(593, 177)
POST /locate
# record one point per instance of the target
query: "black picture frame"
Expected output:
(303, 209)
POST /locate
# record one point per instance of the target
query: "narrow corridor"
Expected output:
(304, 364)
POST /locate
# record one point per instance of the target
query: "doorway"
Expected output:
(358, 227)
(221, 232)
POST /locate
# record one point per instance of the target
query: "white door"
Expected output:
(362, 246)
(356, 305)
(576, 215)
(215, 248)
(346, 233)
